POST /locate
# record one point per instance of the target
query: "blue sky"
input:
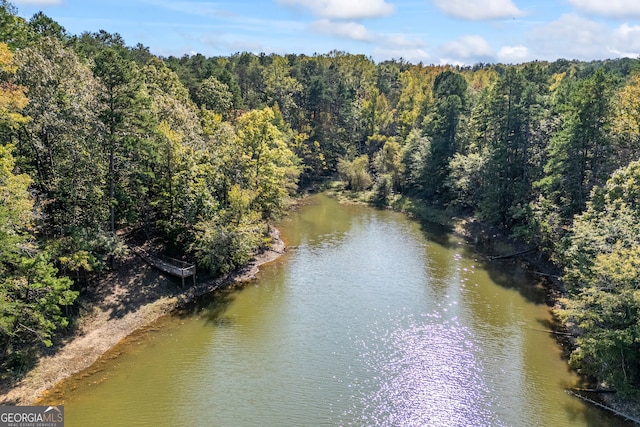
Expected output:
(428, 31)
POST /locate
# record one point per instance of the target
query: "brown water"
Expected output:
(369, 320)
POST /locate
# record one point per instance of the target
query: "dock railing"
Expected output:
(169, 265)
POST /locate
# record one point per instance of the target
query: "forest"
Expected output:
(100, 140)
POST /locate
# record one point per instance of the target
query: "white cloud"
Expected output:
(575, 37)
(344, 9)
(625, 41)
(38, 2)
(191, 8)
(479, 10)
(570, 37)
(350, 30)
(514, 54)
(401, 40)
(232, 44)
(611, 8)
(467, 50)
(396, 46)
(413, 55)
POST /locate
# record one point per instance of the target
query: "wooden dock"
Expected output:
(172, 266)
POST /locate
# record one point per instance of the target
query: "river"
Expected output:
(368, 320)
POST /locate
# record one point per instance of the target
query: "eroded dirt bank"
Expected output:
(124, 301)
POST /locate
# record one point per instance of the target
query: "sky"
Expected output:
(458, 32)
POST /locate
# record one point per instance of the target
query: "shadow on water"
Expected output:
(210, 307)
(516, 273)
(509, 273)
(438, 233)
(596, 419)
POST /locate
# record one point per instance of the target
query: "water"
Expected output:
(365, 322)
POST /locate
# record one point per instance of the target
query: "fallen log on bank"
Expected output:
(550, 276)
(605, 407)
(513, 255)
(593, 390)
(549, 331)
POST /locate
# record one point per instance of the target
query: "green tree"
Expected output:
(513, 111)
(602, 276)
(579, 154)
(415, 158)
(215, 96)
(270, 167)
(47, 27)
(388, 161)
(230, 238)
(173, 162)
(465, 181)
(450, 92)
(31, 293)
(356, 173)
(388, 79)
(89, 46)
(127, 135)
(281, 88)
(378, 116)
(58, 144)
(249, 73)
(14, 30)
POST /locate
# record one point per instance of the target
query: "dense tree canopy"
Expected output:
(99, 140)
(603, 275)
(32, 295)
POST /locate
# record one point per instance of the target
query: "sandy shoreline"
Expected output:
(125, 301)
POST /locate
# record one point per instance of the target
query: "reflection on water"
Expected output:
(363, 323)
(427, 373)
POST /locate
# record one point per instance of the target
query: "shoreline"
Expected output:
(122, 309)
(496, 245)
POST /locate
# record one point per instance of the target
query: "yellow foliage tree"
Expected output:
(12, 96)
(626, 120)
